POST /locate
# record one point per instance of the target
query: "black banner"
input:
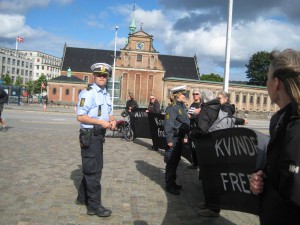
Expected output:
(140, 123)
(227, 158)
(156, 122)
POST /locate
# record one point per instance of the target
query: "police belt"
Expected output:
(95, 130)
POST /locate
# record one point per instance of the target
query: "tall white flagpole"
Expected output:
(228, 39)
(114, 69)
(16, 44)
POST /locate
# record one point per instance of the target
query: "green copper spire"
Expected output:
(132, 26)
(69, 72)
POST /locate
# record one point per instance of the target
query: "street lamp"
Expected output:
(114, 69)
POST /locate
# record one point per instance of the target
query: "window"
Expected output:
(37, 67)
(258, 100)
(13, 71)
(251, 99)
(8, 60)
(54, 91)
(13, 62)
(86, 78)
(244, 98)
(67, 91)
(237, 98)
(18, 62)
(139, 57)
(3, 60)
(265, 100)
(22, 63)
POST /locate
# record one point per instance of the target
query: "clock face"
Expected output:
(140, 45)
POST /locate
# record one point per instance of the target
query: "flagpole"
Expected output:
(114, 70)
(228, 39)
(16, 45)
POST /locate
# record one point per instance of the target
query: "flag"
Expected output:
(19, 39)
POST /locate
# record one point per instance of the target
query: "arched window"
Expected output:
(54, 91)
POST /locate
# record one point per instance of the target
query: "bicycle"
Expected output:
(123, 127)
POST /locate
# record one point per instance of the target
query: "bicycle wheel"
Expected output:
(128, 134)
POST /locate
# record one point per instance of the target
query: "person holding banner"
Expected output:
(176, 127)
(208, 120)
(154, 106)
(277, 181)
(131, 104)
(193, 112)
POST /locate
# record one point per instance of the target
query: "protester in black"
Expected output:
(154, 106)
(131, 104)
(278, 181)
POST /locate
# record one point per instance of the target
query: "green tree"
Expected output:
(19, 81)
(212, 77)
(257, 68)
(38, 84)
(7, 80)
(30, 87)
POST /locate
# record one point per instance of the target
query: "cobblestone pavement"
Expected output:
(40, 169)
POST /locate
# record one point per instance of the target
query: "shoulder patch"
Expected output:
(167, 116)
(89, 88)
(179, 111)
(82, 102)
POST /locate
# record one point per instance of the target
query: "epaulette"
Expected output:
(89, 88)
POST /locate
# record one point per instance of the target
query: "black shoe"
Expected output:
(172, 190)
(101, 212)
(178, 187)
(79, 202)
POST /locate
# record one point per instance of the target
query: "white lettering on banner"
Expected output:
(237, 145)
(160, 133)
(159, 122)
(236, 182)
(140, 114)
(294, 169)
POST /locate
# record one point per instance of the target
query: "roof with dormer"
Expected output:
(80, 60)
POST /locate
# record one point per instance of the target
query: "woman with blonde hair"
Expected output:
(278, 181)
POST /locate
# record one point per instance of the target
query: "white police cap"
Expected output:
(102, 68)
(178, 89)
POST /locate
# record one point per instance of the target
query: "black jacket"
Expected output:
(208, 115)
(154, 107)
(280, 200)
(131, 103)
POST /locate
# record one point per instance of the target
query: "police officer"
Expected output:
(176, 127)
(94, 112)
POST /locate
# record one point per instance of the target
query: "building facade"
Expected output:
(44, 64)
(16, 63)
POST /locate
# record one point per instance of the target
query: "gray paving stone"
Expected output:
(40, 173)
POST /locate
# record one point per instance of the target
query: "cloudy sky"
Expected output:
(179, 27)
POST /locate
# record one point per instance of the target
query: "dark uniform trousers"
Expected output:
(172, 163)
(92, 164)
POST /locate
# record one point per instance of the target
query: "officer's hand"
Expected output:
(113, 124)
(105, 125)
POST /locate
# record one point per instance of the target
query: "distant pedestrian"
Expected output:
(3, 99)
(94, 112)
